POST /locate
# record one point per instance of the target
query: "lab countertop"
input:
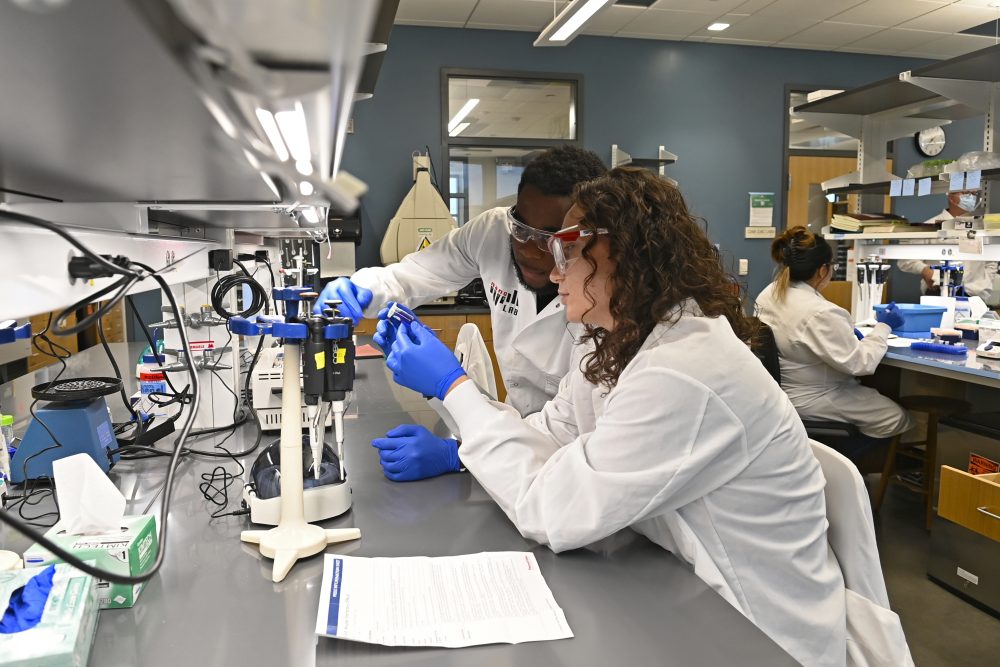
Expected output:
(967, 368)
(627, 601)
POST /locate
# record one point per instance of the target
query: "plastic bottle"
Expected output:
(6, 440)
(151, 378)
(962, 308)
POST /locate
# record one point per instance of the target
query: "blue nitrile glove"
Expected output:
(411, 452)
(24, 611)
(385, 332)
(858, 334)
(353, 299)
(420, 361)
(890, 316)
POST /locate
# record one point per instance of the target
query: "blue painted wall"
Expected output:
(721, 109)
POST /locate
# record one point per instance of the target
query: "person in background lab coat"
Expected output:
(506, 247)
(666, 422)
(978, 278)
(819, 353)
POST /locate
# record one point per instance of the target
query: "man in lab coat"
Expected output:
(978, 278)
(506, 247)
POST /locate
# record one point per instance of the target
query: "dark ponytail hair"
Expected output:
(799, 254)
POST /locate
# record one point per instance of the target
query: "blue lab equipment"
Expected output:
(77, 415)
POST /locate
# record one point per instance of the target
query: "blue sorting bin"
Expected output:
(916, 316)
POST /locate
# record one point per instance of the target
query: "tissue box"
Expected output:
(130, 551)
(69, 622)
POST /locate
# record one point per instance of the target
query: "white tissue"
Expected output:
(89, 502)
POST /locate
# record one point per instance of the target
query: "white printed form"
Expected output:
(452, 601)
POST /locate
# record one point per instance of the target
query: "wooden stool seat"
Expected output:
(939, 406)
(925, 451)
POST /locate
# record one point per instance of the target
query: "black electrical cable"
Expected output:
(70, 558)
(118, 373)
(226, 283)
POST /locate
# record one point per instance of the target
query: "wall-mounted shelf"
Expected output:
(893, 108)
(663, 157)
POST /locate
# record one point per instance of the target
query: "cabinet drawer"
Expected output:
(972, 501)
(445, 326)
(485, 325)
(366, 327)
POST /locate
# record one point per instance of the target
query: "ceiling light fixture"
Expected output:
(718, 27)
(459, 129)
(306, 188)
(293, 130)
(266, 119)
(462, 113)
(570, 22)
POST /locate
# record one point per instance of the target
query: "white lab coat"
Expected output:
(821, 358)
(532, 348)
(697, 449)
(978, 278)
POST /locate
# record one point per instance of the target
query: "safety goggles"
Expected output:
(523, 233)
(567, 244)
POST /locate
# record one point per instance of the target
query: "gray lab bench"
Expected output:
(966, 368)
(213, 602)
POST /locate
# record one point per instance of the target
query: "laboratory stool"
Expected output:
(935, 407)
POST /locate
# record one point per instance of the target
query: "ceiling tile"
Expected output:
(803, 46)
(952, 18)
(886, 13)
(512, 13)
(654, 22)
(718, 7)
(831, 33)
(894, 40)
(452, 11)
(814, 9)
(950, 46)
(751, 6)
(611, 20)
(744, 42)
(763, 28)
(438, 24)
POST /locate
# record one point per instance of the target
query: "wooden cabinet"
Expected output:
(37, 359)
(446, 327)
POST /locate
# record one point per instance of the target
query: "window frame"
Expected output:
(448, 142)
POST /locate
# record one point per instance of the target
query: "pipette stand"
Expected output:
(293, 538)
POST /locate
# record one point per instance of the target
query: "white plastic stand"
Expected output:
(293, 538)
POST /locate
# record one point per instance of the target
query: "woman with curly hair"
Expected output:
(666, 423)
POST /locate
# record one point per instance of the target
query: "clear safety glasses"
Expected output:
(524, 233)
(567, 244)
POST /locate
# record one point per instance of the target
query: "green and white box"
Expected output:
(65, 633)
(131, 551)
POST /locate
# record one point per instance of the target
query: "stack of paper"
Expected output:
(872, 223)
(452, 601)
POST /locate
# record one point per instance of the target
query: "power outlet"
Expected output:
(744, 267)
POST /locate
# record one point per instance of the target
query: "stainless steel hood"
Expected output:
(160, 101)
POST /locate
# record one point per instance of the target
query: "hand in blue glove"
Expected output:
(420, 361)
(411, 452)
(858, 334)
(353, 299)
(385, 332)
(890, 316)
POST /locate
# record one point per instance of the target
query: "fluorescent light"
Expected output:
(569, 22)
(310, 214)
(306, 188)
(304, 167)
(273, 134)
(293, 129)
(269, 182)
(459, 129)
(462, 113)
(718, 27)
